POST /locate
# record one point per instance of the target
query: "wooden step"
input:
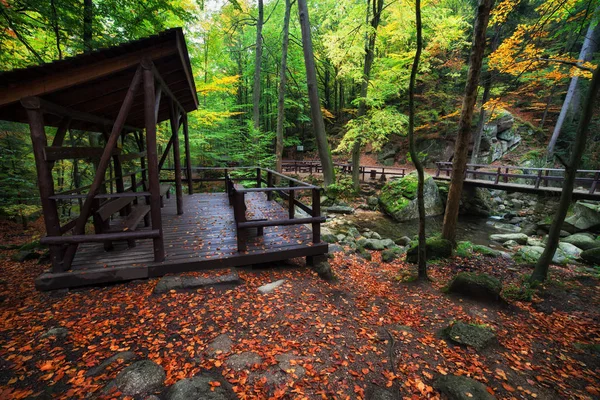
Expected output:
(113, 206)
(131, 222)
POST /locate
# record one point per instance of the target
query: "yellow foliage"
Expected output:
(502, 10)
(226, 84)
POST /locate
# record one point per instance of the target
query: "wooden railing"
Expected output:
(237, 198)
(539, 177)
(373, 171)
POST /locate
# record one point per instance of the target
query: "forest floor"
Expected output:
(369, 331)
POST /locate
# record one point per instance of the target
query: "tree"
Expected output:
(571, 104)
(364, 85)
(313, 96)
(422, 246)
(461, 148)
(257, 65)
(88, 16)
(541, 268)
(282, 83)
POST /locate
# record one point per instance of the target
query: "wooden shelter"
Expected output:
(122, 93)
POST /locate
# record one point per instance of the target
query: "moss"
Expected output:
(477, 285)
(485, 251)
(464, 249)
(523, 292)
(363, 253)
(436, 248)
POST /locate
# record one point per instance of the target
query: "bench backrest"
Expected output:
(113, 206)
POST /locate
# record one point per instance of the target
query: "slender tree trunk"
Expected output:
(282, 87)
(548, 103)
(55, 26)
(257, 65)
(313, 96)
(422, 248)
(571, 103)
(487, 86)
(88, 16)
(461, 148)
(541, 269)
(364, 86)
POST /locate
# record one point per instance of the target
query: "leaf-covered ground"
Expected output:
(368, 330)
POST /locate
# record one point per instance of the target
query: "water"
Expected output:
(474, 229)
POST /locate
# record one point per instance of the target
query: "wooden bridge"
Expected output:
(525, 179)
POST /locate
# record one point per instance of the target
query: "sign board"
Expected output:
(300, 148)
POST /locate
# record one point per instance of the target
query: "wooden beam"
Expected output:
(73, 76)
(52, 153)
(103, 164)
(188, 160)
(100, 237)
(153, 169)
(174, 122)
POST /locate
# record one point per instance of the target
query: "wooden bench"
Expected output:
(129, 222)
(250, 214)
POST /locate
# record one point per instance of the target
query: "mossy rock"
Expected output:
(32, 246)
(390, 255)
(468, 249)
(591, 256)
(476, 285)
(457, 387)
(436, 248)
(398, 198)
(363, 253)
(475, 336)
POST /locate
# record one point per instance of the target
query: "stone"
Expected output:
(391, 254)
(403, 241)
(510, 244)
(221, 344)
(388, 152)
(122, 355)
(436, 248)
(570, 250)
(531, 254)
(199, 388)
(340, 237)
(169, 283)
(243, 360)
(269, 287)
(457, 387)
(25, 255)
(353, 232)
(372, 202)
(324, 270)
(520, 238)
(335, 248)
(285, 364)
(504, 226)
(56, 332)
(376, 244)
(377, 393)
(486, 251)
(140, 378)
(475, 201)
(363, 253)
(470, 335)
(398, 198)
(584, 241)
(591, 256)
(585, 215)
(328, 236)
(337, 209)
(476, 285)
(535, 242)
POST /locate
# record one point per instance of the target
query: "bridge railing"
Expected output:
(373, 171)
(537, 176)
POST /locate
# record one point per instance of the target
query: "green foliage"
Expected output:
(522, 291)
(342, 189)
(374, 129)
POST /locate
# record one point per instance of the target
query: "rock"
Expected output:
(475, 201)
(486, 251)
(570, 250)
(391, 254)
(470, 335)
(328, 236)
(372, 202)
(269, 287)
(122, 355)
(480, 286)
(353, 232)
(504, 226)
(504, 237)
(591, 256)
(584, 241)
(535, 242)
(377, 393)
(388, 152)
(403, 241)
(243, 360)
(510, 244)
(285, 364)
(363, 253)
(25, 255)
(504, 122)
(530, 255)
(324, 270)
(457, 387)
(398, 198)
(169, 283)
(337, 209)
(335, 248)
(585, 215)
(221, 344)
(436, 248)
(376, 244)
(199, 388)
(140, 378)
(528, 228)
(57, 332)
(340, 237)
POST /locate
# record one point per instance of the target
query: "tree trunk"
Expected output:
(364, 86)
(282, 86)
(313, 96)
(541, 269)
(257, 64)
(571, 104)
(481, 122)
(461, 148)
(88, 16)
(422, 248)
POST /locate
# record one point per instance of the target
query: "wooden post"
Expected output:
(498, 176)
(176, 156)
(239, 211)
(119, 183)
(538, 179)
(437, 173)
(151, 153)
(45, 180)
(316, 212)
(506, 177)
(269, 184)
(546, 179)
(188, 159)
(291, 205)
(595, 182)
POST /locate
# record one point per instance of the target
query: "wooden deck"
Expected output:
(204, 237)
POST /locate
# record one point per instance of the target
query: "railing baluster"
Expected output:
(316, 212)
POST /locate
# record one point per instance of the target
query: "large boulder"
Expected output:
(586, 215)
(457, 387)
(520, 238)
(476, 201)
(531, 254)
(398, 198)
(591, 256)
(480, 286)
(570, 250)
(475, 336)
(436, 248)
(584, 241)
(140, 378)
(201, 387)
